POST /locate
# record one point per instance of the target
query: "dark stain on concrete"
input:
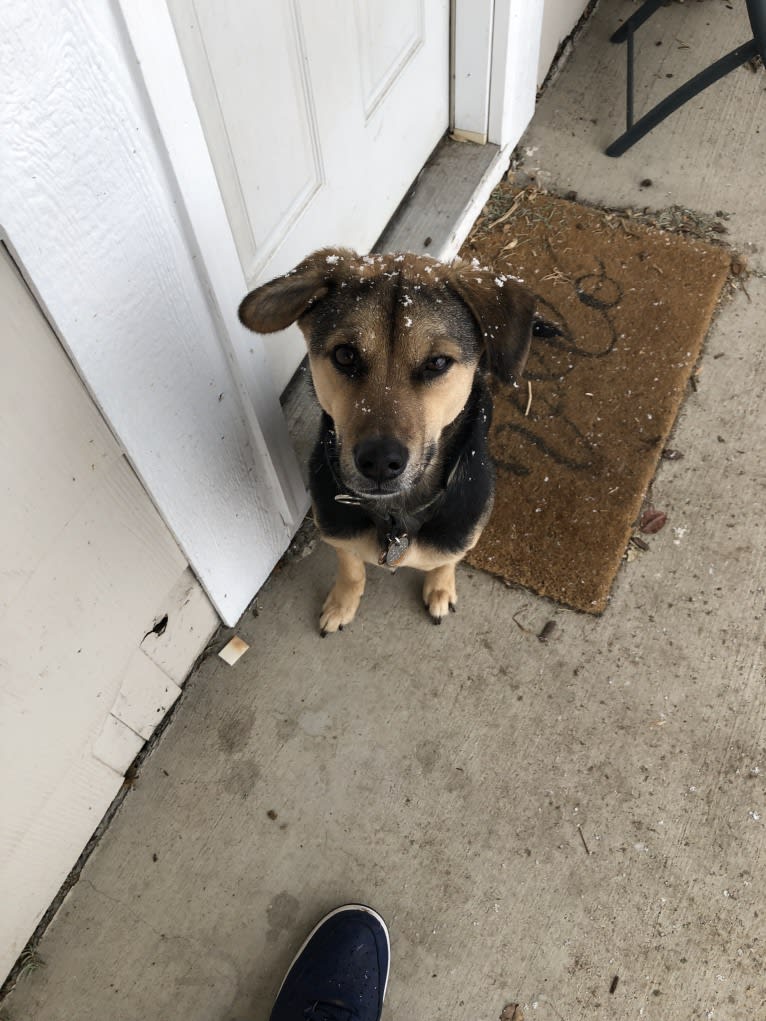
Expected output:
(233, 733)
(242, 777)
(427, 754)
(281, 915)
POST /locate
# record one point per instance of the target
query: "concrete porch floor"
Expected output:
(448, 775)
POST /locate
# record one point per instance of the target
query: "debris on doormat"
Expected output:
(574, 464)
(233, 650)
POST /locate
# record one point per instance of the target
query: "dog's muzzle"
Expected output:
(381, 459)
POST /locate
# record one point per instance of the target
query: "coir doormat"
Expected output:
(577, 443)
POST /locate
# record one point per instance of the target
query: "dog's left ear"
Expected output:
(505, 312)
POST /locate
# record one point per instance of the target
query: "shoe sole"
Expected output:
(345, 907)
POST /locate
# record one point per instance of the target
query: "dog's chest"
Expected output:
(368, 548)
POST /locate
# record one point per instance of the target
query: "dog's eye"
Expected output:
(344, 356)
(436, 366)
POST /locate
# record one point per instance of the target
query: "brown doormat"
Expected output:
(577, 443)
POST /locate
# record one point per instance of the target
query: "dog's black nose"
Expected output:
(381, 458)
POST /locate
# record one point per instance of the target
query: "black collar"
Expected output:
(397, 524)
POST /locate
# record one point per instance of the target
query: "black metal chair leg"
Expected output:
(644, 12)
(681, 95)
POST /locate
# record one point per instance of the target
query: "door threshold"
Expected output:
(440, 208)
(434, 218)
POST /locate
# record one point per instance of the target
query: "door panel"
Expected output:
(239, 69)
(388, 37)
(318, 117)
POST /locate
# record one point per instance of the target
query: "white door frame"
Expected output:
(495, 47)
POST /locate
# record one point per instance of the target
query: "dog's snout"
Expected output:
(381, 458)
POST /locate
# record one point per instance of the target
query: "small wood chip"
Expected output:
(232, 651)
(512, 1012)
(613, 986)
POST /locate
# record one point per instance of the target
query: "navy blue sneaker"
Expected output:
(341, 971)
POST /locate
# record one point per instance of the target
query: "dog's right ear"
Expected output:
(281, 302)
(505, 313)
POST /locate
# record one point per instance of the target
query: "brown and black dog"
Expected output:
(398, 347)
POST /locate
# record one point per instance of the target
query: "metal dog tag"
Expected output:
(397, 547)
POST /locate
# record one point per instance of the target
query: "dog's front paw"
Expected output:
(339, 609)
(440, 592)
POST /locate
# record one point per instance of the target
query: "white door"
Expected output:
(87, 569)
(318, 117)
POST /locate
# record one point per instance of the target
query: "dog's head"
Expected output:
(394, 343)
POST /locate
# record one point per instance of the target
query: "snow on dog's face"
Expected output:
(394, 343)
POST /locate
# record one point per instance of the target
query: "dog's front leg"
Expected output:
(440, 591)
(343, 601)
